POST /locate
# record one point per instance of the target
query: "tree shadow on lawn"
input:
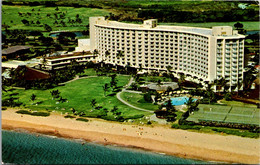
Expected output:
(112, 94)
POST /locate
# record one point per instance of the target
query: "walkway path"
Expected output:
(76, 78)
(126, 103)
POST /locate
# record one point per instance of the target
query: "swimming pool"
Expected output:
(180, 100)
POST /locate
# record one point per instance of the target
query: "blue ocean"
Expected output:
(21, 148)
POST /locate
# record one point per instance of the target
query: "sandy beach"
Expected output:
(186, 144)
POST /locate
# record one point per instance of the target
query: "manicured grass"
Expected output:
(79, 94)
(10, 13)
(137, 100)
(249, 26)
(88, 72)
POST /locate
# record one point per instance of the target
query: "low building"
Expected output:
(159, 88)
(83, 45)
(63, 60)
(15, 52)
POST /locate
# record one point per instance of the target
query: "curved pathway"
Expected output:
(76, 78)
(126, 103)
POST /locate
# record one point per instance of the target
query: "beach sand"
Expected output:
(181, 143)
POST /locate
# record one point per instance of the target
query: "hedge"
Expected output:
(82, 119)
(33, 113)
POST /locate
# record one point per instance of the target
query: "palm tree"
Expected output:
(249, 78)
(169, 68)
(95, 52)
(93, 103)
(210, 94)
(159, 83)
(105, 88)
(33, 97)
(192, 106)
(107, 53)
(220, 83)
(114, 110)
(44, 62)
(55, 94)
(120, 53)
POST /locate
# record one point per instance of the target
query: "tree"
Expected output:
(147, 97)
(210, 94)
(228, 96)
(157, 96)
(33, 97)
(105, 88)
(113, 82)
(25, 22)
(57, 9)
(238, 25)
(159, 83)
(120, 53)
(95, 52)
(114, 109)
(55, 93)
(44, 62)
(169, 114)
(93, 103)
(107, 53)
(47, 28)
(169, 68)
(249, 78)
(192, 105)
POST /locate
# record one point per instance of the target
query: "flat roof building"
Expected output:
(202, 53)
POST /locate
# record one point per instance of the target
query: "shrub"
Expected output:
(69, 116)
(40, 114)
(185, 127)
(3, 108)
(23, 112)
(149, 122)
(82, 119)
(33, 113)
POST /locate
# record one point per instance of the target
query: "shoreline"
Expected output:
(158, 139)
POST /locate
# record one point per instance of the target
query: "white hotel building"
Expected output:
(201, 53)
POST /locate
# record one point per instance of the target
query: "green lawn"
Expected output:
(11, 17)
(136, 99)
(79, 94)
(249, 26)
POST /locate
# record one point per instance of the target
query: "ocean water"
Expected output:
(21, 148)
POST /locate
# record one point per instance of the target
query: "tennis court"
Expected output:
(228, 114)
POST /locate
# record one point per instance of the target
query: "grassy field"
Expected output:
(11, 17)
(232, 114)
(79, 94)
(249, 26)
(137, 100)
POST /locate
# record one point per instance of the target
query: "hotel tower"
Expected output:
(200, 53)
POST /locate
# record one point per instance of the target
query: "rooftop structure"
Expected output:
(202, 53)
(14, 49)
